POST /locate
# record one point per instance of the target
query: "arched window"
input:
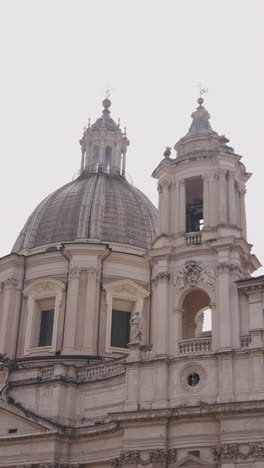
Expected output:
(96, 154)
(108, 155)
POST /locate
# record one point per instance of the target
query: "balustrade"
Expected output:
(193, 238)
(195, 346)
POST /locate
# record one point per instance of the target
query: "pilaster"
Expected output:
(206, 201)
(71, 311)
(91, 310)
(222, 197)
(10, 301)
(223, 303)
(242, 192)
(212, 198)
(182, 211)
(231, 198)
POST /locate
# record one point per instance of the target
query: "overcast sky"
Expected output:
(59, 56)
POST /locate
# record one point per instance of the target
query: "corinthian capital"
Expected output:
(10, 283)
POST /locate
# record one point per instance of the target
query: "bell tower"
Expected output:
(201, 249)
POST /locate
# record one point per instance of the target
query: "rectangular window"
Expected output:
(120, 330)
(46, 327)
(194, 204)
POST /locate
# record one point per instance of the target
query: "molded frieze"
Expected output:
(233, 452)
(153, 456)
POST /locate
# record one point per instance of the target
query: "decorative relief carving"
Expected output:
(46, 373)
(192, 274)
(45, 288)
(9, 283)
(163, 275)
(153, 456)
(5, 365)
(91, 272)
(58, 465)
(228, 452)
(75, 272)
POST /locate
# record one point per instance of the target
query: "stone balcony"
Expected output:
(195, 346)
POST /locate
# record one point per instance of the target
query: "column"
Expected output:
(243, 212)
(71, 312)
(182, 217)
(82, 160)
(206, 201)
(124, 163)
(231, 198)
(101, 156)
(222, 197)
(87, 156)
(212, 198)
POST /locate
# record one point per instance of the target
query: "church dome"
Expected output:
(98, 206)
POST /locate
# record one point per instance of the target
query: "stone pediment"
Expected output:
(193, 462)
(126, 288)
(15, 422)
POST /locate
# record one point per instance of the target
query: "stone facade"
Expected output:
(175, 395)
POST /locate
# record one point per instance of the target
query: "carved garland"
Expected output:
(154, 456)
(232, 451)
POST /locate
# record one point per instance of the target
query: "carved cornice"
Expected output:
(232, 452)
(153, 456)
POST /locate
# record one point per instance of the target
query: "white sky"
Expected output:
(59, 56)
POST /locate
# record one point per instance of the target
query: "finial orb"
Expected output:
(106, 103)
(200, 101)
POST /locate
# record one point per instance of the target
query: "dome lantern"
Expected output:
(104, 145)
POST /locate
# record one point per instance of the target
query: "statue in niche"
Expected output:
(136, 328)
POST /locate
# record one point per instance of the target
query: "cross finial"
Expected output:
(202, 89)
(107, 93)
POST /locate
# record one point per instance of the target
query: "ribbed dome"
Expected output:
(98, 206)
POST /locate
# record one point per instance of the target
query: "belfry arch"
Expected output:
(195, 306)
